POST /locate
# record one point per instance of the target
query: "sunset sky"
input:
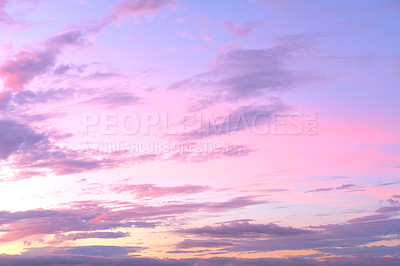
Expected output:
(199, 132)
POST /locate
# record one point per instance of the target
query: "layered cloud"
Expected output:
(229, 151)
(245, 118)
(10, 19)
(3, 16)
(90, 217)
(98, 250)
(24, 148)
(240, 30)
(75, 236)
(244, 230)
(337, 239)
(223, 193)
(15, 136)
(154, 191)
(243, 73)
(139, 7)
(342, 187)
(25, 66)
(70, 259)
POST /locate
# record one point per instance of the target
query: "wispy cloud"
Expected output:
(25, 66)
(342, 187)
(154, 191)
(15, 136)
(243, 118)
(244, 73)
(139, 7)
(240, 30)
(71, 259)
(93, 216)
(244, 230)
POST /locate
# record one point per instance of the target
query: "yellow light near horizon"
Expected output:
(13, 248)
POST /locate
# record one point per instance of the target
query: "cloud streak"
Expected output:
(139, 7)
(71, 259)
(154, 191)
(15, 136)
(87, 217)
(244, 230)
(25, 66)
(243, 73)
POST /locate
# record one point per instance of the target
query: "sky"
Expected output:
(188, 132)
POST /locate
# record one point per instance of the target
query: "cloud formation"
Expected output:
(97, 250)
(8, 19)
(70, 259)
(240, 30)
(139, 7)
(244, 73)
(245, 118)
(244, 230)
(88, 217)
(336, 238)
(154, 191)
(85, 235)
(231, 151)
(342, 187)
(15, 136)
(25, 66)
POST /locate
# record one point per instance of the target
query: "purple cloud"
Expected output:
(3, 16)
(335, 237)
(115, 98)
(26, 97)
(105, 235)
(342, 187)
(243, 118)
(239, 73)
(240, 30)
(244, 229)
(190, 243)
(154, 191)
(25, 66)
(71, 259)
(231, 151)
(99, 250)
(8, 19)
(15, 137)
(139, 7)
(91, 216)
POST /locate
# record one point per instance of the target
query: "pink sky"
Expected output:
(158, 132)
